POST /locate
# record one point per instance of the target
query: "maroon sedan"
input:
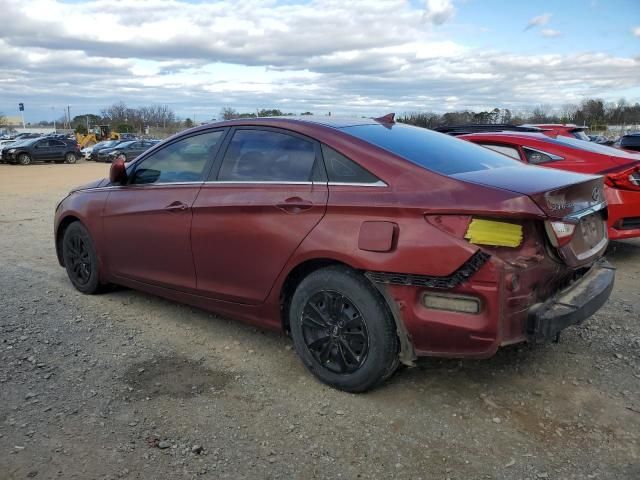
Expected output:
(371, 243)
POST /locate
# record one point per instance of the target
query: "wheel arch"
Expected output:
(407, 353)
(62, 227)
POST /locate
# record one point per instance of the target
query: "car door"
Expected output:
(42, 151)
(266, 194)
(147, 222)
(57, 149)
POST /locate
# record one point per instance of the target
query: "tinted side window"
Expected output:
(56, 143)
(181, 161)
(536, 158)
(267, 156)
(342, 170)
(508, 151)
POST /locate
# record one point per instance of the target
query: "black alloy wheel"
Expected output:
(334, 332)
(343, 330)
(80, 259)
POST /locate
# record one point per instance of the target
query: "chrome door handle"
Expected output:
(294, 205)
(176, 206)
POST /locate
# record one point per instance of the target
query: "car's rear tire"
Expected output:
(70, 158)
(80, 259)
(24, 159)
(343, 330)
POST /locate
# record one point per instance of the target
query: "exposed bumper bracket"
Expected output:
(573, 305)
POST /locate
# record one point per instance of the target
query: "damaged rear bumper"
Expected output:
(573, 305)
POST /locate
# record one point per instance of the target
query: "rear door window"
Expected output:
(267, 156)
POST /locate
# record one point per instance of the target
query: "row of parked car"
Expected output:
(27, 148)
(108, 150)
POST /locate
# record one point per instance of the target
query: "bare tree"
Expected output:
(228, 113)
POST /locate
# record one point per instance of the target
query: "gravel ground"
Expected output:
(126, 385)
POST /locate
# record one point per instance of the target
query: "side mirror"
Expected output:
(118, 172)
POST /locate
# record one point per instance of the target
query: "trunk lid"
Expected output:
(558, 193)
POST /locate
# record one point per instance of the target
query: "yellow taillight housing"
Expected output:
(494, 233)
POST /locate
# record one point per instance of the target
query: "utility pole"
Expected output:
(69, 115)
(87, 123)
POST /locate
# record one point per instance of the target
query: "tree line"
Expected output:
(595, 113)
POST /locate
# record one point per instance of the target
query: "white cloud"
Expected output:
(439, 11)
(636, 32)
(538, 21)
(323, 55)
(550, 33)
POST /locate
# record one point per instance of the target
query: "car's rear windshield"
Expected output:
(431, 150)
(592, 147)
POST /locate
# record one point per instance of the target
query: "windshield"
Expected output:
(592, 147)
(126, 144)
(431, 150)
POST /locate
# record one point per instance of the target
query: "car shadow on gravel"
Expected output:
(448, 375)
(174, 376)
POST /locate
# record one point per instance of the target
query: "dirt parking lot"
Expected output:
(126, 385)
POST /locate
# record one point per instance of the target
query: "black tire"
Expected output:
(80, 259)
(70, 158)
(343, 330)
(24, 159)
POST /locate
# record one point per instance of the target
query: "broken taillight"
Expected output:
(628, 179)
(559, 233)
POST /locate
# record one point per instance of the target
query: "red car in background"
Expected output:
(621, 169)
(370, 242)
(562, 129)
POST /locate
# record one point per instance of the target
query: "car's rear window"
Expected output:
(431, 150)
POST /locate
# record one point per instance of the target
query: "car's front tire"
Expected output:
(343, 330)
(24, 159)
(80, 259)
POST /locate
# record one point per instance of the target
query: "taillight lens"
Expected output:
(628, 179)
(560, 233)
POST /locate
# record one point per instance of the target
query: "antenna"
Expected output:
(388, 118)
